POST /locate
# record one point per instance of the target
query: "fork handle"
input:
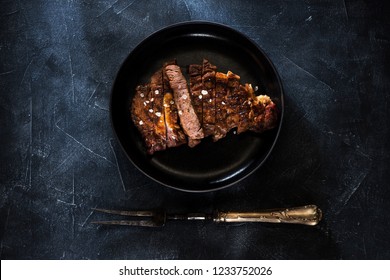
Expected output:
(304, 215)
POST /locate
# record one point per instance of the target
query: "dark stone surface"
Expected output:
(59, 157)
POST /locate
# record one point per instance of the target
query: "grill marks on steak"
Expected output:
(233, 100)
(167, 112)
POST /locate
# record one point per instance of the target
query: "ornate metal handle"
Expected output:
(304, 215)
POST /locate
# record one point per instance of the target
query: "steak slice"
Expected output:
(208, 92)
(195, 73)
(140, 114)
(156, 112)
(188, 118)
(245, 102)
(175, 134)
(221, 128)
(233, 101)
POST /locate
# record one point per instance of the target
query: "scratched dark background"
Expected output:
(60, 158)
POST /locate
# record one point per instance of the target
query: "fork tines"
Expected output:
(155, 220)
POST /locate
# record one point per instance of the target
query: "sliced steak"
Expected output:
(188, 118)
(208, 92)
(221, 128)
(165, 111)
(175, 134)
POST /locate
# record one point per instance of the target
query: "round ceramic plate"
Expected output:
(210, 165)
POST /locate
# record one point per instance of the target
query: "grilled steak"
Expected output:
(188, 118)
(168, 113)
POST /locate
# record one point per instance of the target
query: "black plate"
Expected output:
(208, 166)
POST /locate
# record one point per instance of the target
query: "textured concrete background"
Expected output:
(59, 157)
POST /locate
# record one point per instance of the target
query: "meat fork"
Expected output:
(304, 215)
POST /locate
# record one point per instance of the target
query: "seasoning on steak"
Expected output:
(188, 118)
(208, 92)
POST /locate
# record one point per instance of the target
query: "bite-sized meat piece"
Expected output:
(208, 97)
(233, 100)
(188, 118)
(221, 128)
(140, 114)
(175, 134)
